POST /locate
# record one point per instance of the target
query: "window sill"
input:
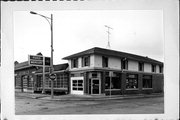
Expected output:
(132, 89)
(147, 88)
(112, 89)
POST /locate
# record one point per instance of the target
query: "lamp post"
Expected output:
(50, 21)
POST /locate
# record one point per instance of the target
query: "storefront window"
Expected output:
(132, 81)
(60, 82)
(39, 81)
(115, 83)
(147, 81)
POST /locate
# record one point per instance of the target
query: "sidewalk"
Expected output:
(71, 97)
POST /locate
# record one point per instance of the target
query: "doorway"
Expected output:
(95, 86)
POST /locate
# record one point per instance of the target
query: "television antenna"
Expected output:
(108, 45)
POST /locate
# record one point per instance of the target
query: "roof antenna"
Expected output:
(108, 45)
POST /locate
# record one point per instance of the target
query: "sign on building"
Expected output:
(36, 60)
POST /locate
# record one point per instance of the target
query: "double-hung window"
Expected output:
(141, 66)
(104, 61)
(85, 61)
(153, 68)
(160, 69)
(124, 64)
(74, 63)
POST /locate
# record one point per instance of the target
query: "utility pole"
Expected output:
(52, 50)
(50, 21)
(108, 45)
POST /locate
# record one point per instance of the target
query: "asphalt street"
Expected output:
(30, 106)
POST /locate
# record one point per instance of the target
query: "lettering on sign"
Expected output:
(36, 57)
(36, 62)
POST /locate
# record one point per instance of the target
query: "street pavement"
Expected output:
(41, 104)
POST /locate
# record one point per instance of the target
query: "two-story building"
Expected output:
(99, 71)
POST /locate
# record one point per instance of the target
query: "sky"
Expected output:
(138, 32)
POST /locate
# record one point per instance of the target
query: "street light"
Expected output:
(50, 21)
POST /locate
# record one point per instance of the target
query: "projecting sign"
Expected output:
(36, 60)
(47, 61)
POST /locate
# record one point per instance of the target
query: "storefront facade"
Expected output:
(24, 77)
(30, 78)
(100, 71)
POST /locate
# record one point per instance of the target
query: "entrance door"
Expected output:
(95, 89)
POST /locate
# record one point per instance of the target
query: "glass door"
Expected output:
(95, 86)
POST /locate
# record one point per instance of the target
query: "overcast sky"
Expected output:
(134, 31)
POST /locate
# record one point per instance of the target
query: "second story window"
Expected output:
(153, 68)
(124, 63)
(104, 61)
(141, 66)
(74, 63)
(160, 69)
(86, 61)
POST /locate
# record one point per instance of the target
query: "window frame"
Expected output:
(153, 68)
(160, 69)
(78, 85)
(105, 61)
(151, 80)
(132, 79)
(74, 63)
(85, 61)
(124, 64)
(141, 66)
(113, 80)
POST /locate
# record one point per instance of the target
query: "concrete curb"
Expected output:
(100, 99)
(92, 98)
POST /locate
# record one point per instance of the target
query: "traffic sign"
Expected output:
(52, 76)
(47, 61)
(37, 60)
(36, 57)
